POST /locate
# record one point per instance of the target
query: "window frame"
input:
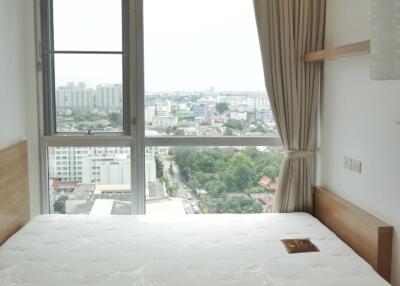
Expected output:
(134, 110)
(48, 52)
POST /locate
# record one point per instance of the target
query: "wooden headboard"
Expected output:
(14, 191)
(370, 237)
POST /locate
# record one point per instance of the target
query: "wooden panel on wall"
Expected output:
(358, 48)
(14, 190)
(370, 237)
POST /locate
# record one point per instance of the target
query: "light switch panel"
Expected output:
(356, 166)
(347, 163)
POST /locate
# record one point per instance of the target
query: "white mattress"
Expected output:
(207, 250)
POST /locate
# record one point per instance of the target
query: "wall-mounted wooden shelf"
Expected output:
(358, 48)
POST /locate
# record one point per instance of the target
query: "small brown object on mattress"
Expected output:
(294, 246)
(367, 235)
(14, 192)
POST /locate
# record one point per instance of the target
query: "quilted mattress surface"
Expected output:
(207, 250)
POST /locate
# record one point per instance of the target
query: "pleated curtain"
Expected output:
(287, 30)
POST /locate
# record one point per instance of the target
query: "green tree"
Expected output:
(193, 183)
(115, 119)
(179, 132)
(254, 190)
(184, 158)
(204, 178)
(239, 175)
(215, 188)
(89, 117)
(237, 170)
(265, 164)
(242, 205)
(252, 152)
(222, 107)
(211, 205)
(259, 128)
(205, 162)
(159, 167)
(228, 131)
(59, 204)
(236, 124)
(271, 170)
(175, 131)
(171, 170)
(171, 189)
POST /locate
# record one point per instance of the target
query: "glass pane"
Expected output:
(87, 25)
(90, 180)
(195, 180)
(204, 78)
(88, 93)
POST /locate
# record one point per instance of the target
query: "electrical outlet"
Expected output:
(356, 166)
(347, 163)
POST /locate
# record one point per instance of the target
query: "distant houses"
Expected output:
(268, 184)
(266, 198)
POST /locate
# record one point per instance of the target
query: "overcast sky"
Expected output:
(189, 44)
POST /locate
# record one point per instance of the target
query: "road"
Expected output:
(189, 201)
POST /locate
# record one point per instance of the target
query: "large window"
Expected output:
(154, 106)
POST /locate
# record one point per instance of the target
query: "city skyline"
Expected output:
(173, 92)
(206, 113)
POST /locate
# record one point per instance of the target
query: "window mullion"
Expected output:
(137, 106)
(85, 52)
(88, 140)
(212, 141)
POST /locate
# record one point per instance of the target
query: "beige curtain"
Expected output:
(287, 30)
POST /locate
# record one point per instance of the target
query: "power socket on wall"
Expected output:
(352, 164)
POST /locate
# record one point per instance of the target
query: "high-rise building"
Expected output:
(163, 108)
(69, 164)
(200, 111)
(239, 115)
(80, 98)
(165, 121)
(109, 98)
(260, 101)
(107, 170)
(150, 165)
(76, 97)
(149, 114)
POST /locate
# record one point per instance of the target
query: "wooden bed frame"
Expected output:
(367, 235)
(370, 237)
(14, 191)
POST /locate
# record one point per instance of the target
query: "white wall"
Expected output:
(18, 107)
(360, 118)
(12, 73)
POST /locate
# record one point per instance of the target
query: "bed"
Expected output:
(354, 247)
